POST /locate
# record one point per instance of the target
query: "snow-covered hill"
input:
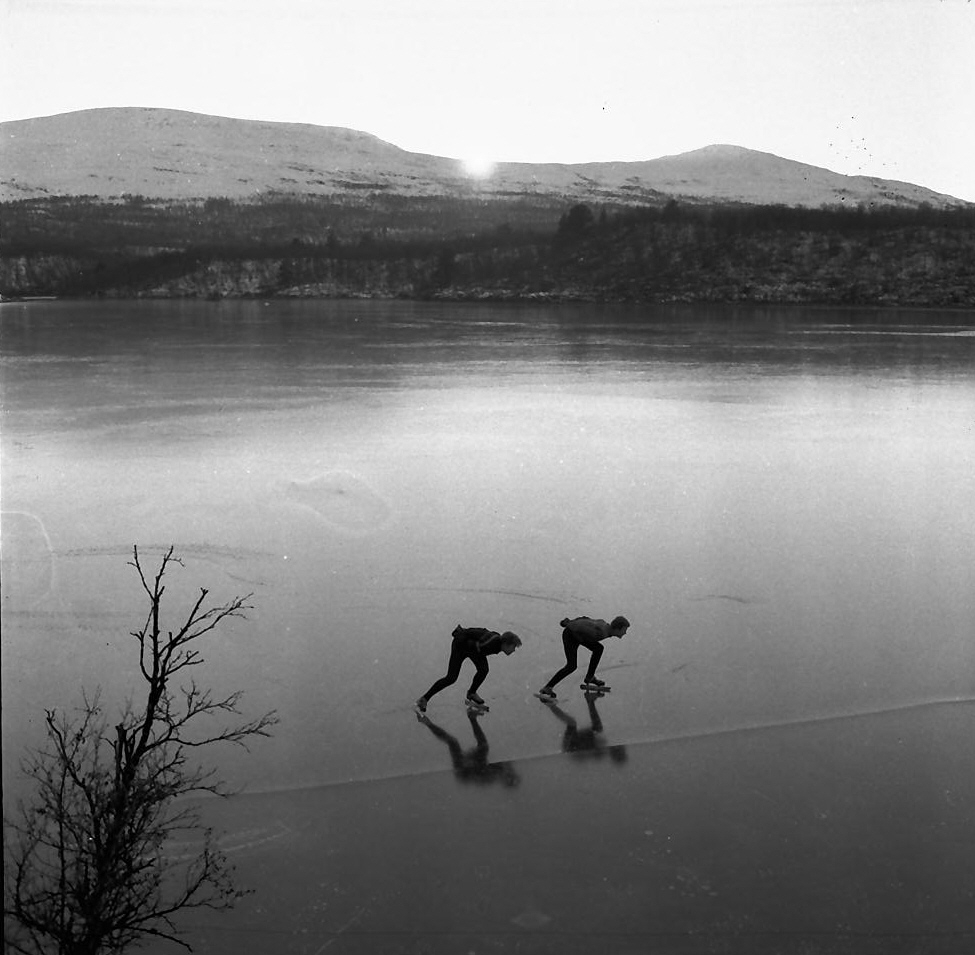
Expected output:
(161, 153)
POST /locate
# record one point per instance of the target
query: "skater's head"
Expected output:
(619, 626)
(509, 642)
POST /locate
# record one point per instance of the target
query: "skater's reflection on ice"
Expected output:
(587, 744)
(471, 765)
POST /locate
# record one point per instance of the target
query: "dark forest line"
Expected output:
(517, 248)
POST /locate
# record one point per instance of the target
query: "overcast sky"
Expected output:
(876, 87)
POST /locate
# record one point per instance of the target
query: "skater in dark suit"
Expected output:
(475, 644)
(588, 633)
(472, 766)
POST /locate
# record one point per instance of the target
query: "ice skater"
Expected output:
(588, 633)
(475, 644)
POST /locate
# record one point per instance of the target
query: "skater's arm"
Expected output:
(489, 644)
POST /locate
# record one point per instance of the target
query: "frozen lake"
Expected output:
(782, 502)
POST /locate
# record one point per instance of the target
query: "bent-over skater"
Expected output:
(475, 644)
(588, 633)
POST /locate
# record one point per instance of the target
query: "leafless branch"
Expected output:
(86, 867)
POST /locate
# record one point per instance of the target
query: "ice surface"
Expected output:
(342, 500)
(848, 836)
(784, 511)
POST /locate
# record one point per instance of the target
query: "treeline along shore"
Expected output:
(517, 248)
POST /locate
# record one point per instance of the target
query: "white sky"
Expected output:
(879, 87)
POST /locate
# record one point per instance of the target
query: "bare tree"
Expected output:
(87, 870)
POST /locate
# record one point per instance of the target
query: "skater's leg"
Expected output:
(480, 673)
(570, 645)
(458, 653)
(596, 650)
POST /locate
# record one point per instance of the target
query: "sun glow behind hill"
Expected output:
(478, 167)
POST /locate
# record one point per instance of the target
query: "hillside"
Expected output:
(148, 202)
(174, 155)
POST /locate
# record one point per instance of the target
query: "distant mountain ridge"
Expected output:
(172, 154)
